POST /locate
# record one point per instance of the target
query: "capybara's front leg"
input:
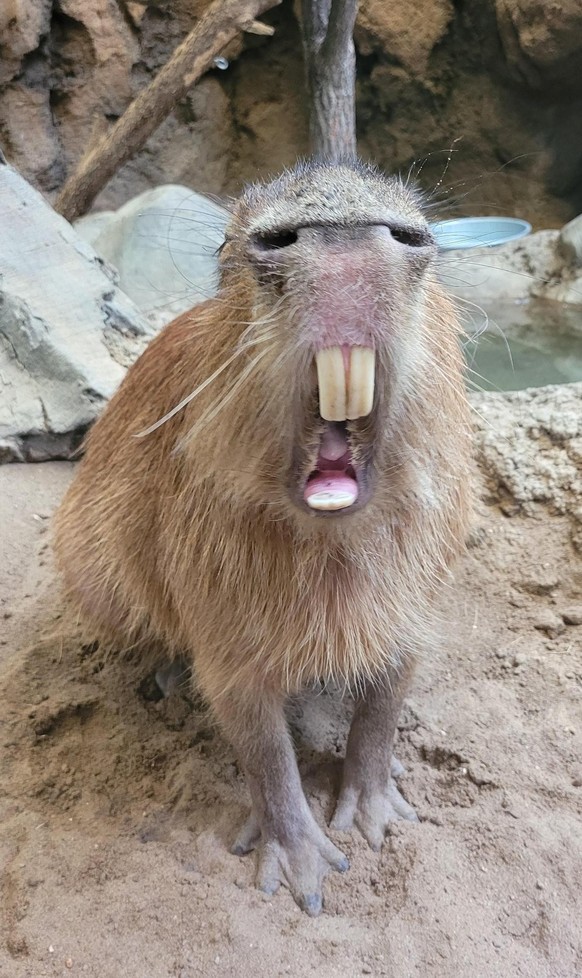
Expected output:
(369, 797)
(291, 847)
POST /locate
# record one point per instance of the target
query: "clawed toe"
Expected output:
(312, 904)
(371, 811)
(300, 864)
(399, 805)
(248, 837)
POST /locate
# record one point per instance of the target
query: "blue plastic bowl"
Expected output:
(478, 232)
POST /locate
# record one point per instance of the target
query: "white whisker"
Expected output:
(190, 397)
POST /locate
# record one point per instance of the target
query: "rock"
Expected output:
(542, 41)
(136, 11)
(529, 448)
(91, 226)
(163, 245)
(21, 34)
(550, 623)
(506, 271)
(531, 268)
(65, 65)
(570, 241)
(409, 32)
(543, 582)
(193, 147)
(67, 332)
(572, 616)
(60, 66)
(27, 130)
(528, 444)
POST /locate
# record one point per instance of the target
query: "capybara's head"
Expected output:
(329, 294)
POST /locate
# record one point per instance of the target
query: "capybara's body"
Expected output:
(294, 520)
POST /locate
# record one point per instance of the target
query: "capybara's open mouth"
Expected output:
(346, 384)
(333, 484)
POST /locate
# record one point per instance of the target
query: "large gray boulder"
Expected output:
(67, 332)
(164, 245)
(542, 266)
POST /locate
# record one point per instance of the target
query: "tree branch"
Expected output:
(340, 32)
(216, 28)
(330, 61)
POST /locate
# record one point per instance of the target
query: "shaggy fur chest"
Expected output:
(291, 614)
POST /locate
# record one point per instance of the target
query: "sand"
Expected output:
(117, 806)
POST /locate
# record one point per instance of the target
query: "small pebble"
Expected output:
(543, 582)
(550, 624)
(572, 616)
(69, 963)
(509, 508)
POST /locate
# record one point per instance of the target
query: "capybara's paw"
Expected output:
(371, 810)
(301, 864)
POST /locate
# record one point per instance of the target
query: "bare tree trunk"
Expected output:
(216, 28)
(330, 60)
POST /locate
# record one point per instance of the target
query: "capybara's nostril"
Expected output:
(274, 240)
(413, 237)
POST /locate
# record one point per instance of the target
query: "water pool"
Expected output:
(529, 345)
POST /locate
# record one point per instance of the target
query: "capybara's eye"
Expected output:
(413, 237)
(273, 240)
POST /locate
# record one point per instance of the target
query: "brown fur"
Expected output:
(190, 536)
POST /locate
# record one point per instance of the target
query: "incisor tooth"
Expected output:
(342, 396)
(331, 377)
(328, 502)
(361, 382)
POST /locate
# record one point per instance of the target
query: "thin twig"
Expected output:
(216, 28)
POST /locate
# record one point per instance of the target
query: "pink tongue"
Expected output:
(330, 491)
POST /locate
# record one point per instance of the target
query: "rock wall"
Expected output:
(496, 80)
(529, 449)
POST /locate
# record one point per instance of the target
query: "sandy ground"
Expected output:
(116, 806)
